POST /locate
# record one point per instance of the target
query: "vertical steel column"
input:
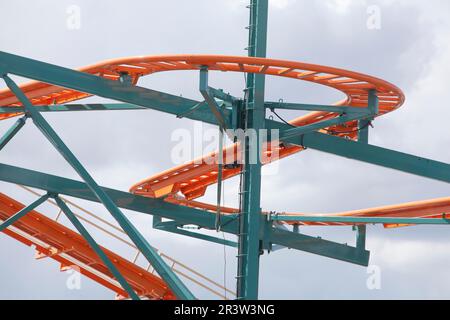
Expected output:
(166, 273)
(97, 249)
(250, 217)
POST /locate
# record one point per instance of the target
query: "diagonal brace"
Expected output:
(94, 245)
(23, 212)
(321, 247)
(12, 131)
(316, 107)
(291, 133)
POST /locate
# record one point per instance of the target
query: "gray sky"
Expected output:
(119, 148)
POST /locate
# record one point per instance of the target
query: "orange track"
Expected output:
(193, 178)
(60, 243)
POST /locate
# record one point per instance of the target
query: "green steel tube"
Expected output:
(166, 273)
(12, 131)
(183, 215)
(290, 133)
(249, 249)
(95, 85)
(23, 212)
(75, 107)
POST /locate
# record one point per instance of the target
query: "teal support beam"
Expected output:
(77, 189)
(373, 102)
(219, 94)
(249, 248)
(76, 107)
(361, 235)
(317, 107)
(97, 249)
(156, 207)
(95, 85)
(363, 137)
(320, 247)
(364, 124)
(172, 280)
(375, 155)
(367, 220)
(214, 107)
(290, 133)
(15, 128)
(23, 212)
(174, 227)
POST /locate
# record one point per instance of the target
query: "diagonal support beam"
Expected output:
(166, 273)
(23, 212)
(376, 155)
(12, 132)
(93, 244)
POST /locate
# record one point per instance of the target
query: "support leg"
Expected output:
(93, 244)
(166, 273)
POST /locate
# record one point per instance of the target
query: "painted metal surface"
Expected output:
(183, 215)
(55, 241)
(249, 245)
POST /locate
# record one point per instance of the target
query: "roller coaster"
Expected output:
(172, 197)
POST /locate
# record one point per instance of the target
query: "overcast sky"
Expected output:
(411, 50)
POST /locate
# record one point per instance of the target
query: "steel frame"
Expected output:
(255, 230)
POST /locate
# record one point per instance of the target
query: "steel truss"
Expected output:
(256, 231)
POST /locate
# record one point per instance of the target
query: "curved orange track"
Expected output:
(193, 178)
